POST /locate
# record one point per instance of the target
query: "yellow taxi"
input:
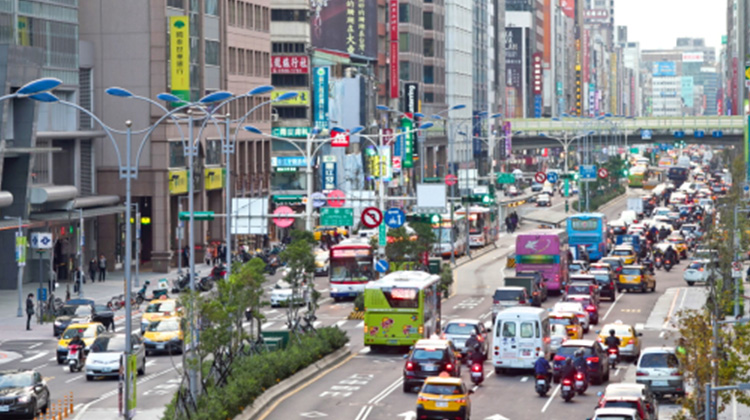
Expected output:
(164, 335)
(318, 231)
(630, 343)
(679, 244)
(88, 331)
(157, 309)
(636, 277)
(626, 253)
(444, 397)
(570, 321)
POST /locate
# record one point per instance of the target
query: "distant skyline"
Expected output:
(656, 24)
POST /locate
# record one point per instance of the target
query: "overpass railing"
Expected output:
(537, 125)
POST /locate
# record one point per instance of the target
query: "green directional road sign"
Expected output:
(341, 216)
(382, 235)
(197, 215)
(506, 178)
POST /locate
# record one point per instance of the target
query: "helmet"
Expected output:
(612, 332)
(473, 333)
(568, 362)
(579, 352)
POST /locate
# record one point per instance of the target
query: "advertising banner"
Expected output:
(290, 64)
(411, 98)
(302, 98)
(21, 245)
(393, 22)
(408, 143)
(329, 173)
(586, 55)
(178, 182)
(213, 178)
(568, 7)
(692, 57)
(298, 132)
(320, 96)
(507, 132)
(514, 72)
(345, 25)
(179, 56)
(664, 68)
(386, 162)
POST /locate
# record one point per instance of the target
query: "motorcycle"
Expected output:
(542, 385)
(648, 264)
(613, 356)
(140, 296)
(668, 265)
(658, 263)
(75, 358)
(581, 383)
(567, 392)
(477, 373)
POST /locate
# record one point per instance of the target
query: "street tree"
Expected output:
(300, 262)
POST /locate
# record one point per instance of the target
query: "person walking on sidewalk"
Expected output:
(29, 310)
(92, 269)
(102, 267)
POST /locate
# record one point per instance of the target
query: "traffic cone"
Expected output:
(59, 413)
(71, 402)
(65, 406)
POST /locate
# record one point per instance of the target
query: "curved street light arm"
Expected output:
(241, 120)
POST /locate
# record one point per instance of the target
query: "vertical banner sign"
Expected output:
(393, 22)
(613, 87)
(320, 96)
(513, 73)
(408, 161)
(329, 173)
(132, 398)
(387, 170)
(536, 80)
(411, 98)
(747, 148)
(508, 139)
(179, 56)
(21, 249)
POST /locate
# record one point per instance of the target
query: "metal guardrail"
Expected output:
(537, 125)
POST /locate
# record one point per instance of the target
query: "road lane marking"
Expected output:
(524, 379)
(36, 356)
(317, 324)
(384, 393)
(33, 346)
(273, 406)
(671, 308)
(365, 350)
(150, 363)
(340, 324)
(551, 397)
(53, 359)
(361, 325)
(364, 412)
(74, 379)
(613, 306)
(266, 325)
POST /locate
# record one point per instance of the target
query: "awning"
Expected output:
(61, 135)
(548, 218)
(58, 216)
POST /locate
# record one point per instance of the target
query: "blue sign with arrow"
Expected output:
(382, 266)
(395, 218)
(552, 177)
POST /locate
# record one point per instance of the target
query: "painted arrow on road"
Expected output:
(408, 415)
(496, 417)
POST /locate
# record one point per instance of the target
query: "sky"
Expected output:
(657, 24)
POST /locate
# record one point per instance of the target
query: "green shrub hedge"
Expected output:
(598, 199)
(253, 375)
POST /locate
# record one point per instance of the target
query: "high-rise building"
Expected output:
(459, 76)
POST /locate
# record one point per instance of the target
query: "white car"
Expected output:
(576, 309)
(660, 370)
(106, 350)
(281, 294)
(616, 413)
(543, 200)
(628, 216)
(698, 271)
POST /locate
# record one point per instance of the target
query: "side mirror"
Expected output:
(406, 356)
(136, 346)
(640, 334)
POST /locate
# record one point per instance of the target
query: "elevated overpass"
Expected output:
(719, 130)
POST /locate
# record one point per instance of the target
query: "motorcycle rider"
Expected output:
(542, 367)
(663, 233)
(579, 361)
(78, 341)
(613, 342)
(568, 371)
(671, 255)
(473, 353)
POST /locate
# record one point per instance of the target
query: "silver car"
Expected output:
(105, 354)
(459, 330)
(659, 369)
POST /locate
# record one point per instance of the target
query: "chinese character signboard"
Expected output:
(514, 72)
(290, 64)
(298, 132)
(296, 161)
(393, 20)
(320, 96)
(178, 182)
(411, 98)
(213, 178)
(408, 161)
(508, 139)
(329, 173)
(302, 98)
(179, 56)
(348, 26)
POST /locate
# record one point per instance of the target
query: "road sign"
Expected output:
(319, 199)
(395, 218)
(382, 235)
(197, 215)
(336, 199)
(679, 134)
(603, 173)
(339, 139)
(717, 134)
(396, 163)
(382, 266)
(646, 134)
(333, 216)
(41, 294)
(736, 270)
(506, 178)
(40, 240)
(588, 172)
(540, 177)
(699, 134)
(372, 217)
(552, 177)
(451, 180)
(283, 222)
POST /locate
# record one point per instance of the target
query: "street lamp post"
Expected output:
(20, 250)
(81, 240)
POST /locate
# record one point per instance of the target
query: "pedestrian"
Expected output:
(185, 251)
(77, 281)
(92, 269)
(102, 267)
(209, 254)
(29, 310)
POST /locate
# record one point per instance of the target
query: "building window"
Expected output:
(40, 174)
(429, 47)
(288, 15)
(212, 7)
(213, 152)
(266, 64)
(403, 70)
(212, 53)
(266, 19)
(241, 61)
(232, 60)
(403, 12)
(287, 112)
(427, 21)
(429, 97)
(178, 4)
(403, 42)
(289, 80)
(248, 15)
(176, 154)
(258, 64)
(429, 74)
(249, 63)
(288, 47)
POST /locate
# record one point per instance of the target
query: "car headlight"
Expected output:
(61, 347)
(24, 399)
(148, 341)
(58, 324)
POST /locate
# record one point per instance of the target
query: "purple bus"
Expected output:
(546, 251)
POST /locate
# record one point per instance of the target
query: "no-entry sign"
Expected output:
(283, 222)
(603, 173)
(336, 198)
(540, 177)
(451, 180)
(372, 217)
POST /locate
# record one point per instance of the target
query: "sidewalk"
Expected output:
(100, 292)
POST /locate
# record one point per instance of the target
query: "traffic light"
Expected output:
(625, 172)
(477, 199)
(432, 219)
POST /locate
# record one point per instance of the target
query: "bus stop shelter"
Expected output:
(546, 218)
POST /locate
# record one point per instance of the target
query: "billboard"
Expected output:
(514, 72)
(411, 98)
(393, 19)
(687, 90)
(692, 57)
(568, 7)
(664, 68)
(290, 64)
(179, 56)
(345, 25)
(302, 98)
(320, 96)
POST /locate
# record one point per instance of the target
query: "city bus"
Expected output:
(484, 225)
(350, 268)
(545, 251)
(451, 235)
(401, 308)
(655, 177)
(638, 174)
(589, 230)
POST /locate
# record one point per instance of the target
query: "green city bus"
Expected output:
(637, 176)
(401, 308)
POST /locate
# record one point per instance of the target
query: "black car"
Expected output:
(70, 313)
(597, 361)
(23, 393)
(614, 262)
(430, 357)
(103, 315)
(607, 282)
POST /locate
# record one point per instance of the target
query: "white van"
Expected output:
(517, 334)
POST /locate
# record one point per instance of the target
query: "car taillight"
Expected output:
(480, 338)
(559, 358)
(365, 327)
(640, 373)
(409, 366)
(599, 339)
(448, 366)
(593, 359)
(422, 399)
(421, 330)
(460, 401)
(522, 301)
(631, 341)
(442, 336)
(495, 301)
(476, 367)
(591, 308)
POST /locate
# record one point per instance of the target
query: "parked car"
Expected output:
(659, 369)
(24, 393)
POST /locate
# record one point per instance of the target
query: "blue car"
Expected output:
(597, 363)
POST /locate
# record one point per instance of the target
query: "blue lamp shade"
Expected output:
(608, 115)
(216, 97)
(252, 129)
(356, 129)
(119, 92)
(382, 108)
(542, 134)
(39, 85)
(286, 96)
(419, 115)
(44, 97)
(426, 125)
(339, 129)
(316, 131)
(482, 113)
(261, 90)
(437, 117)
(168, 97)
(498, 115)
(457, 107)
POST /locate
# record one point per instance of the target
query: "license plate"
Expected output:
(441, 404)
(160, 346)
(540, 382)
(566, 388)
(429, 368)
(659, 383)
(526, 352)
(613, 356)
(4, 408)
(107, 369)
(579, 384)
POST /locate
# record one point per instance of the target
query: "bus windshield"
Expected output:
(351, 264)
(476, 224)
(443, 234)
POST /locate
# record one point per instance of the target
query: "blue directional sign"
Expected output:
(588, 172)
(699, 134)
(646, 134)
(679, 134)
(382, 266)
(395, 218)
(41, 294)
(552, 177)
(41, 240)
(717, 134)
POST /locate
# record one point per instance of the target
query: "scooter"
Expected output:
(75, 358)
(581, 383)
(668, 265)
(542, 385)
(658, 263)
(567, 392)
(140, 296)
(613, 356)
(477, 373)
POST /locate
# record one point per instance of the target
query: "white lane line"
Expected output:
(551, 397)
(340, 324)
(364, 412)
(661, 334)
(364, 350)
(33, 346)
(617, 371)
(524, 379)
(266, 325)
(53, 359)
(36, 356)
(612, 307)
(384, 393)
(150, 363)
(361, 324)
(74, 379)
(671, 308)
